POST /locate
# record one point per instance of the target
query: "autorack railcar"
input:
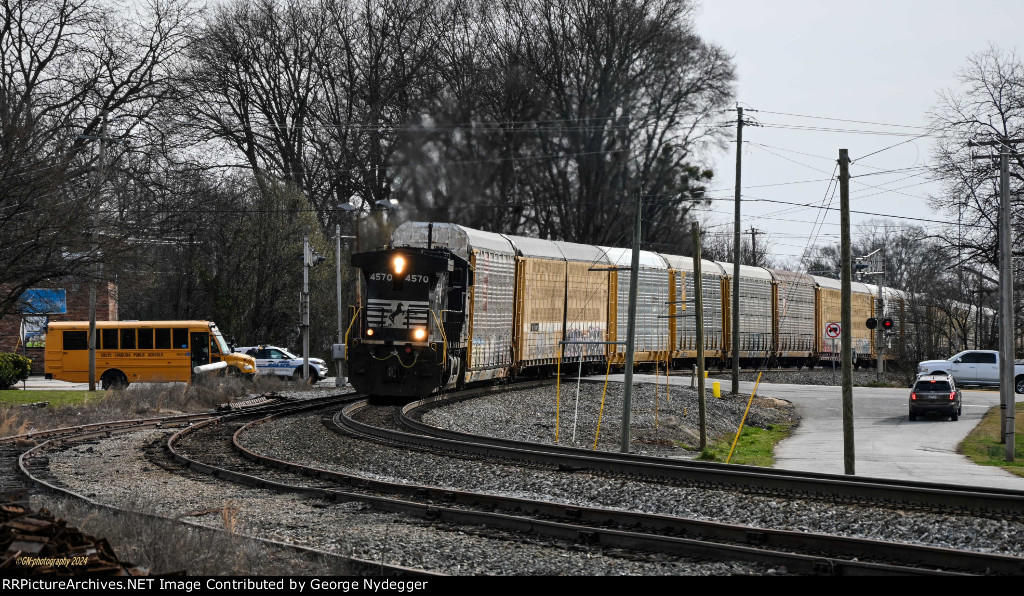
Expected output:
(444, 305)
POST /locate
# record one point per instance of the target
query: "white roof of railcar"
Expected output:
(889, 292)
(623, 257)
(458, 239)
(583, 252)
(747, 271)
(686, 264)
(855, 286)
(792, 276)
(535, 247)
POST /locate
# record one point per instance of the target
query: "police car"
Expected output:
(272, 360)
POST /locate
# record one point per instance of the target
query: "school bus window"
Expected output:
(180, 339)
(76, 340)
(109, 339)
(145, 339)
(127, 339)
(163, 339)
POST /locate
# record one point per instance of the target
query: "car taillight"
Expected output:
(913, 396)
(952, 395)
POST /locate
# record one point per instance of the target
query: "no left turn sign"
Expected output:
(833, 330)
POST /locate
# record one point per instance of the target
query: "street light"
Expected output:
(338, 352)
(389, 205)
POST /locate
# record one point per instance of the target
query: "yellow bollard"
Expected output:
(716, 389)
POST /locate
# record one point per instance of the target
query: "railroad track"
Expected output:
(923, 496)
(24, 462)
(212, 446)
(799, 552)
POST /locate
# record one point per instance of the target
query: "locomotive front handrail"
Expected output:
(444, 339)
(352, 322)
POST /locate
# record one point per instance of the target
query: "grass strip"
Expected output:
(983, 445)
(755, 447)
(55, 397)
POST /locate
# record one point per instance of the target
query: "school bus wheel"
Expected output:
(113, 379)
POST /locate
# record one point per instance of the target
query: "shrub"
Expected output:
(13, 368)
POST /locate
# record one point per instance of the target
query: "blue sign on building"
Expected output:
(44, 302)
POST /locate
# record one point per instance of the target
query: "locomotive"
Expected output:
(444, 306)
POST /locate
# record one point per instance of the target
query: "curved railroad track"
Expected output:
(24, 461)
(212, 444)
(934, 497)
(797, 551)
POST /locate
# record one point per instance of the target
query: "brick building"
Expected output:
(57, 301)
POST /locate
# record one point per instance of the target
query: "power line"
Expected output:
(848, 130)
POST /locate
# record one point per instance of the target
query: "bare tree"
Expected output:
(252, 80)
(988, 104)
(571, 110)
(66, 63)
(718, 246)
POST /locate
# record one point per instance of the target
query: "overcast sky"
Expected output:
(871, 61)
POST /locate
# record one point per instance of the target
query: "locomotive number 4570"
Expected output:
(411, 278)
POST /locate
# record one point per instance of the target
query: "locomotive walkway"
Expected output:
(886, 443)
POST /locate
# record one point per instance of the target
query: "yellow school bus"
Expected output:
(139, 351)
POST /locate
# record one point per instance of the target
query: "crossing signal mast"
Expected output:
(873, 263)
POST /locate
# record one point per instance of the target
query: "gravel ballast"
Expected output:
(522, 415)
(350, 529)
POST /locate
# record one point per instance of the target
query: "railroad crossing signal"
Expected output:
(871, 323)
(887, 323)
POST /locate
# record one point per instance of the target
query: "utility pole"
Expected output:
(1006, 355)
(846, 317)
(735, 343)
(95, 250)
(753, 246)
(1006, 352)
(304, 307)
(698, 290)
(634, 276)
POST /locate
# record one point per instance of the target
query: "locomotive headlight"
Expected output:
(399, 264)
(369, 333)
(419, 334)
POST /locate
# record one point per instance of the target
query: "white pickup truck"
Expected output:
(973, 367)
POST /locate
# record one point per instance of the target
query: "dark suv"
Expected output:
(935, 393)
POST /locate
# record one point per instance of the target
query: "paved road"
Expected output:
(886, 443)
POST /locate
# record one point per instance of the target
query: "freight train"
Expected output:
(444, 306)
